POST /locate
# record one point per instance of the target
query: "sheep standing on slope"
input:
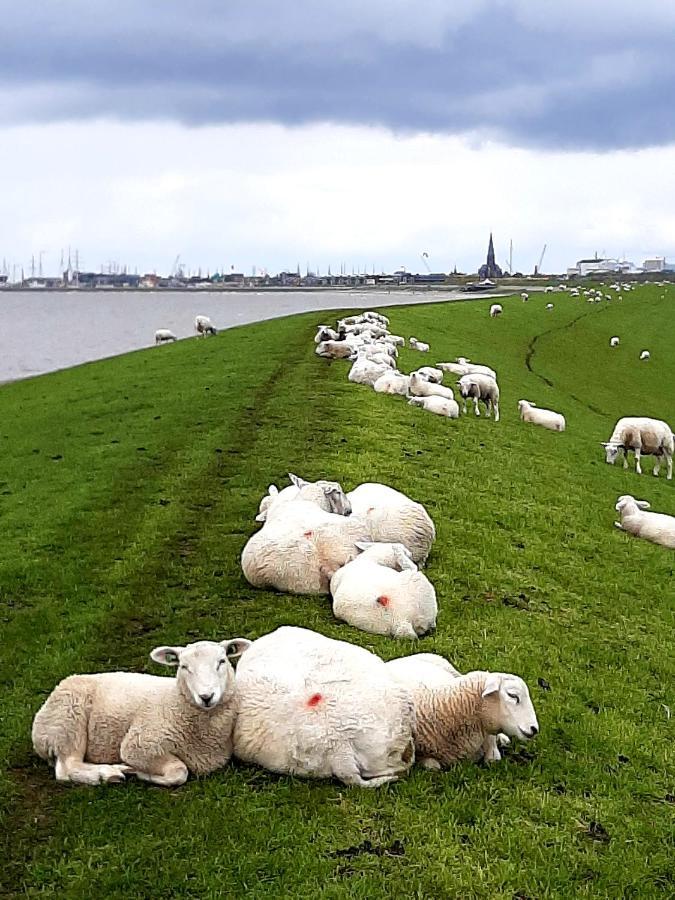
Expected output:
(549, 306)
(614, 342)
(382, 591)
(418, 345)
(642, 436)
(530, 412)
(440, 406)
(97, 729)
(312, 706)
(524, 296)
(483, 388)
(461, 716)
(656, 527)
(204, 326)
(496, 310)
(164, 336)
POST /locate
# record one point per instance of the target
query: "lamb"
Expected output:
(496, 310)
(365, 371)
(420, 387)
(645, 354)
(164, 336)
(614, 342)
(431, 374)
(463, 716)
(327, 495)
(334, 350)
(480, 387)
(440, 406)
(530, 412)
(418, 345)
(97, 729)
(656, 527)
(382, 591)
(320, 708)
(392, 383)
(204, 326)
(394, 518)
(644, 436)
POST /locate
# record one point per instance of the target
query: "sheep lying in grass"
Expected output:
(658, 528)
(204, 326)
(164, 336)
(420, 387)
(312, 706)
(430, 373)
(463, 716)
(464, 367)
(439, 406)
(366, 371)
(325, 333)
(394, 518)
(392, 383)
(97, 729)
(530, 412)
(496, 310)
(418, 345)
(643, 436)
(480, 387)
(334, 350)
(327, 495)
(382, 591)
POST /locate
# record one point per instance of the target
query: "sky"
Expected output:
(335, 132)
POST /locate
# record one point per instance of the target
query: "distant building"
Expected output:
(597, 266)
(658, 264)
(490, 269)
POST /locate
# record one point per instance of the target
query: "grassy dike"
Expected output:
(128, 488)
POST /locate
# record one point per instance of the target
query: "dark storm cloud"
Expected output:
(537, 73)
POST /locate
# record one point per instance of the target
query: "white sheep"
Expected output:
(656, 527)
(392, 383)
(164, 336)
(549, 306)
(382, 591)
(204, 326)
(524, 296)
(463, 716)
(327, 495)
(396, 339)
(430, 373)
(645, 354)
(97, 729)
(496, 310)
(466, 368)
(530, 412)
(420, 387)
(365, 371)
(643, 436)
(614, 342)
(325, 333)
(335, 350)
(312, 706)
(440, 406)
(394, 518)
(418, 345)
(480, 387)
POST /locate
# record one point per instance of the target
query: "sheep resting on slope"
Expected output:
(382, 591)
(309, 705)
(328, 495)
(658, 528)
(463, 716)
(530, 412)
(437, 405)
(97, 729)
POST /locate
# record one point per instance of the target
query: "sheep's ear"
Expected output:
(604, 444)
(166, 656)
(492, 684)
(235, 647)
(363, 545)
(298, 482)
(642, 504)
(273, 490)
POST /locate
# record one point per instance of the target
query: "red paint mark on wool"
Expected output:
(307, 534)
(314, 700)
(383, 601)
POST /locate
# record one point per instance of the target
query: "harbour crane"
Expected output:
(537, 268)
(424, 257)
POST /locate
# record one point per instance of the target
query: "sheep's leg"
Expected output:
(638, 467)
(657, 466)
(475, 406)
(167, 771)
(347, 770)
(490, 750)
(669, 468)
(428, 762)
(624, 453)
(618, 525)
(73, 769)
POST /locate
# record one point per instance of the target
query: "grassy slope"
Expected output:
(127, 489)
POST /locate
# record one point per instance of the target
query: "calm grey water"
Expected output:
(44, 331)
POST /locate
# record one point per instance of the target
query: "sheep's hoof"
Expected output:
(429, 763)
(114, 774)
(503, 740)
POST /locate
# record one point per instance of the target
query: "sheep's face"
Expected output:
(205, 676)
(509, 706)
(338, 501)
(626, 501)
(611, 452)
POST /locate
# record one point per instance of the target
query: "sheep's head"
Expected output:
(394, 556)
(205, 675)
(611, 451)
(334, 498)
(416, 401)
(524, 404)
(626, 501)
(508, 707)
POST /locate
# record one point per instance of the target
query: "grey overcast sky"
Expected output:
(259, 132)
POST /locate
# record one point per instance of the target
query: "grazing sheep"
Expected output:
(418, 345)
(392, 383)
(312, 706)
(335, 350)
(463, 716)
(614, 342)
(327, 495)
(382, 591)
(645, 354)
(164, 336)
(480, 387)
(97, 729)
(394, 518)
(530, 412)
(430, 373)
(549, 306)
(496, 310)
(204, 326)
(440, 406)
(655, 527)
(643, 436)
(420, 387)
(549, 290)
(524, 296)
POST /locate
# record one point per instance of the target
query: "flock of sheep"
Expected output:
(203, 327)
(296, 703)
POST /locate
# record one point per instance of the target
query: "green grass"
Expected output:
(127, 491)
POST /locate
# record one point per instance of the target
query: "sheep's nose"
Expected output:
(534, 730)
(206, 698)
